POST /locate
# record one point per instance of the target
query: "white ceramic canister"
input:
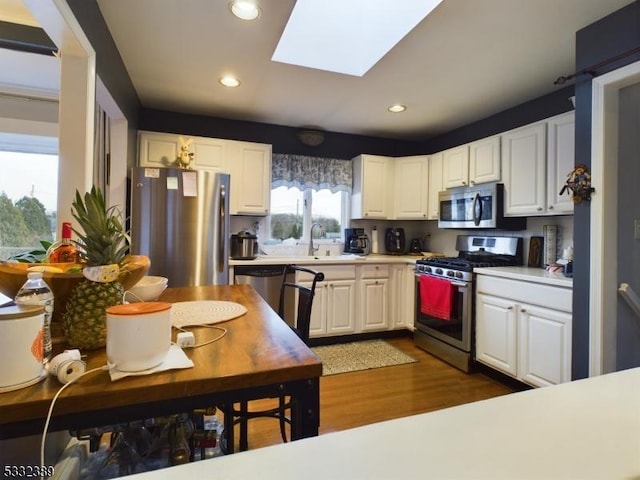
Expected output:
(21, 346)
(138, 335)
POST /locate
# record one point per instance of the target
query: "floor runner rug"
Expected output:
(354, 356)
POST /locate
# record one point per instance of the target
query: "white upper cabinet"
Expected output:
(536, 160)
(435, 185)
(484, 160)
(472, 163)
(455, 167)
(372, 186)
(250, 169)
(411, 187)
(211, 154)
(248, 163)
(157, 149)
(523, 170)
(560, 161)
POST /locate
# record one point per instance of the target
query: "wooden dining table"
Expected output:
(259, 356)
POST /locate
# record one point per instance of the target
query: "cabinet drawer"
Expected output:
(331, 272)
(557, 298)
(374, 271)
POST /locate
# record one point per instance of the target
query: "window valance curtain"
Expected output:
(311, 172)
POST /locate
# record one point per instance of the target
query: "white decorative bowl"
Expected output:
(148, 289)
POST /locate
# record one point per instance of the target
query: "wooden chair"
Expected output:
(300, 325)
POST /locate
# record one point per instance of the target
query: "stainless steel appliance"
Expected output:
(244, 246)
(452, 338)
(180, 220)
(394, 240)
(267, 281)
(480, 206)
(356, 241)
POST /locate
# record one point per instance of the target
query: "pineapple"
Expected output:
(103, 246)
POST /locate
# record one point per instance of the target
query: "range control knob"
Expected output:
(458, 274)
(450, 273)
(438, 271)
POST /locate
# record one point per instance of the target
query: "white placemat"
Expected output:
(204, 312)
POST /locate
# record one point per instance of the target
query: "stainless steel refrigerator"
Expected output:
(180, 220)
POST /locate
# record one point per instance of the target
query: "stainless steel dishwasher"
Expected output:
(266, 279)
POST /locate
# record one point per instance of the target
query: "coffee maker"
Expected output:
(356, 241)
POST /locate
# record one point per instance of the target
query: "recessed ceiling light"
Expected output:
(397, 108)
(245, 9)
(229, 81)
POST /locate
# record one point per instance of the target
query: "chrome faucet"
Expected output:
(313, 250)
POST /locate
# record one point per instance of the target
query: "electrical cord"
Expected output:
(53, 402)
(208, 342)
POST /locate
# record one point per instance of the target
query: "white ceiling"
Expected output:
(467, 60)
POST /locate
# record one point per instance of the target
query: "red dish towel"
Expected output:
(436, 297)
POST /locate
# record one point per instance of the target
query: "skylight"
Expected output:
(347, 36)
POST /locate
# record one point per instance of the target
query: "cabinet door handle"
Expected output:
(539, 209)
(523, 310)
(550, 207)
(509, 308)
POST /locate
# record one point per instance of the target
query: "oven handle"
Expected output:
(453, 282)
(477, 209)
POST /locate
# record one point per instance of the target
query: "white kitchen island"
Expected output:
(586, 429)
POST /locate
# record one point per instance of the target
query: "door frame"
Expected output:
(603, 255)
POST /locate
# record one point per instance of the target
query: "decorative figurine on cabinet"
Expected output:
(185, 157)
(579, 183)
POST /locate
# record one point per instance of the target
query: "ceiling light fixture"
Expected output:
(229, 81)
(397, 108)
(245, 9)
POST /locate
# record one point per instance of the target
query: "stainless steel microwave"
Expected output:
(479, 206)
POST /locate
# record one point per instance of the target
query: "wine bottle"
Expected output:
(63, 251)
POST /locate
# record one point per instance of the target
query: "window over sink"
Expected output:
(294, 211)
(307, 190)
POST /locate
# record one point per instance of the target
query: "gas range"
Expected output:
(444, 324)
(473, 252)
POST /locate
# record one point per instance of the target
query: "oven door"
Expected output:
(457, 330)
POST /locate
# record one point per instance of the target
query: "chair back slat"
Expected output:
(305, 295)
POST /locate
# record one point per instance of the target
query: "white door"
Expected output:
(496, 333)
(341, 307)
(374, 304)
(606, 308)
(544, 353)
(523, 170)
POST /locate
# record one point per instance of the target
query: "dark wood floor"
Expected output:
(359, 398)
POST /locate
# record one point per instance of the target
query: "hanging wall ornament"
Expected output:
(579, 184)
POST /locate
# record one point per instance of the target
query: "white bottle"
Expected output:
(374, 240)
(35, 291)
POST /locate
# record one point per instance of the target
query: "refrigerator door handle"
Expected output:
(222, 220)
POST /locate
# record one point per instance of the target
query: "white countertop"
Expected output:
(587, 429)
(320, 259)
(538, 275)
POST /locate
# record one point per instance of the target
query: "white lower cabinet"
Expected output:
(520, 337)
(402, 294)
(373, 297)
(333, 311)
(361, 298)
